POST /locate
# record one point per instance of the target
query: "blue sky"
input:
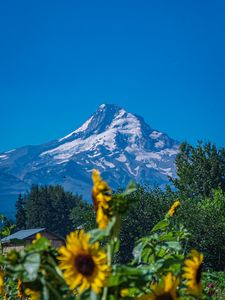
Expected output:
(59, 60)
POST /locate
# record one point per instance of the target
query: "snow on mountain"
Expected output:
(117, 143)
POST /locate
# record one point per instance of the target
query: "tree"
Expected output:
(200, 169)
(20, 213)
(149, 207)
(5, 229)
(34, 208)
(62, 204)
(205, 220)
(50, 207)
(83, 216)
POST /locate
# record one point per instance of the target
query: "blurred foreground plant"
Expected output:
(85, 268)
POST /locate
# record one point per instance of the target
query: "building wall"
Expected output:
(8, 248)
(55, 241)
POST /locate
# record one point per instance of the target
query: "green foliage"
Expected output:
(214, 283)
(55, 209)
(20, 213)
(205, 220)
(36, 266)
(200, 170)
(147, 207)
(158, 254)
(83, 216)
(6, 227)
(162, 248)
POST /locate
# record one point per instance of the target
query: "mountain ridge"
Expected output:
(118, 143)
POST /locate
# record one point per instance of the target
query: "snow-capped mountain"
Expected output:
(117, 143)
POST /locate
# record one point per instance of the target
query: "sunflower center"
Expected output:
(166, 296)
(199, 274)
(84, 264)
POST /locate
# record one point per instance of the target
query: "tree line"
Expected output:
(52, 207)
(199, 185)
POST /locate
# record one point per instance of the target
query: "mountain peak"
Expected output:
(108, 106)
(98, 122)
(114, 141)
(112, 129)
(107, 111)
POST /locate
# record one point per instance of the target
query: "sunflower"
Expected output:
(193, 272)
(174, 207)
(20, 293)
(124, 292)
(164, 291)
(1, 283)
(33, 295)
(101, 218)
(101, 194)
(37, 237)
(84, 264)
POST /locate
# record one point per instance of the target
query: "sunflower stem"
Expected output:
(109, 256)
(112, 247)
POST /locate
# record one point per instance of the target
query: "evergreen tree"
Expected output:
(20, 213)
(33, 208)
(62, 203)
(50, 207)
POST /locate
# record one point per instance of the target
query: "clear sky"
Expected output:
(59, 60)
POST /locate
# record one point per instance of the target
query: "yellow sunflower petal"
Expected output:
(164, 290)
(101, 194)
(84, 264)
(192, 273)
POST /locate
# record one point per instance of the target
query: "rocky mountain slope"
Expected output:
(117, 143)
